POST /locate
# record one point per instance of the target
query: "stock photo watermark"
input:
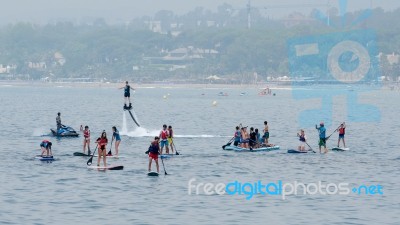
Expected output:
(344, 58)
(280, 188)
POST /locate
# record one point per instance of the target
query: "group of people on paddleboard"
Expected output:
(322, 137)
(252, 139)
(165, 138)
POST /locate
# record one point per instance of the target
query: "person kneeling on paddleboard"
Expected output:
(154, 151)
(45, 146)
(303, 141)
(101, 145)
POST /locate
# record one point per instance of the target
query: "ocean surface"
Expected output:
(67, 192)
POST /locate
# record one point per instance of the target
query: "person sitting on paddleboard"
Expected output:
(170, 138)
(244, 138)
(253, 138)
(266, 133)
(117, 138)
(101, 145)
(303, 140)
(341, 131)
(322, 136)
(258, 138)
(237, 136)
(127, 94)
(154, 151)
(86, 139)
(164, 139)
(45, 146)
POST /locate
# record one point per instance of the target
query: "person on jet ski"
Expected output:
(58, 121)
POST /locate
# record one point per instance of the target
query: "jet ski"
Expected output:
(64, 131)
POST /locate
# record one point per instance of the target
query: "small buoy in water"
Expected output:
(165, 97)
(274, 94)
(214, 103)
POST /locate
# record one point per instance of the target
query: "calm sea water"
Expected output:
(66, 192)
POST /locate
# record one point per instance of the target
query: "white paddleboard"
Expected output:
(118, 167)
(340, 149)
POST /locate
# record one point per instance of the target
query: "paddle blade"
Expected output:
(89, 162)
(176, 153)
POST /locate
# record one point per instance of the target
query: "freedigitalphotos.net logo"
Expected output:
(343, 58)
(280, 188)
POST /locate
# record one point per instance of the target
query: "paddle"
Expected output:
(310, 147)
(333, 132)
(163, 166)
(229, 143)
(89, 162)
(176, 151)
(109, 152)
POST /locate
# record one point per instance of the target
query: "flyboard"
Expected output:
(133, 115)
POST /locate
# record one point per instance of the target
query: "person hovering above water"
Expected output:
(127, 94)
(86, 139)
(101, 145)
(45, 146)
(164, 139)
(170, 138)
(58, 121)
(154, 151)
(117, 138)
(341, 131)
(322, 136)
(303, 140)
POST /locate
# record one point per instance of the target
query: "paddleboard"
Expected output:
(45, 158)
(340, 149)
(80, 154)
(113, 156)
(106, 167)
(297, 151)
(152, 174)
(166, 155)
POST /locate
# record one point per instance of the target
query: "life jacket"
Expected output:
(170, 133)
(342, 130)
(127, 87)
(164, 134)
(154, 147)
(102, 141)
(86, 133)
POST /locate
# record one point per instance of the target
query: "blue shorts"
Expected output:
(341, 136)
(163, 142)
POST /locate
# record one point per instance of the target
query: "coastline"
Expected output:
(272, 85)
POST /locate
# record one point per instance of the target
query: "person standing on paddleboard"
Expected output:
(86, 139)
(101, 145)
(322, 136)
(164, 139)
(127, 94)
(117, 138)
(170, 138)
(303, 140)
(154, 151)
(341, 131)
(58, 121)
(266, 133)
(45, 146)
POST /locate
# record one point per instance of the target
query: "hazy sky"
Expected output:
(43, 11)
